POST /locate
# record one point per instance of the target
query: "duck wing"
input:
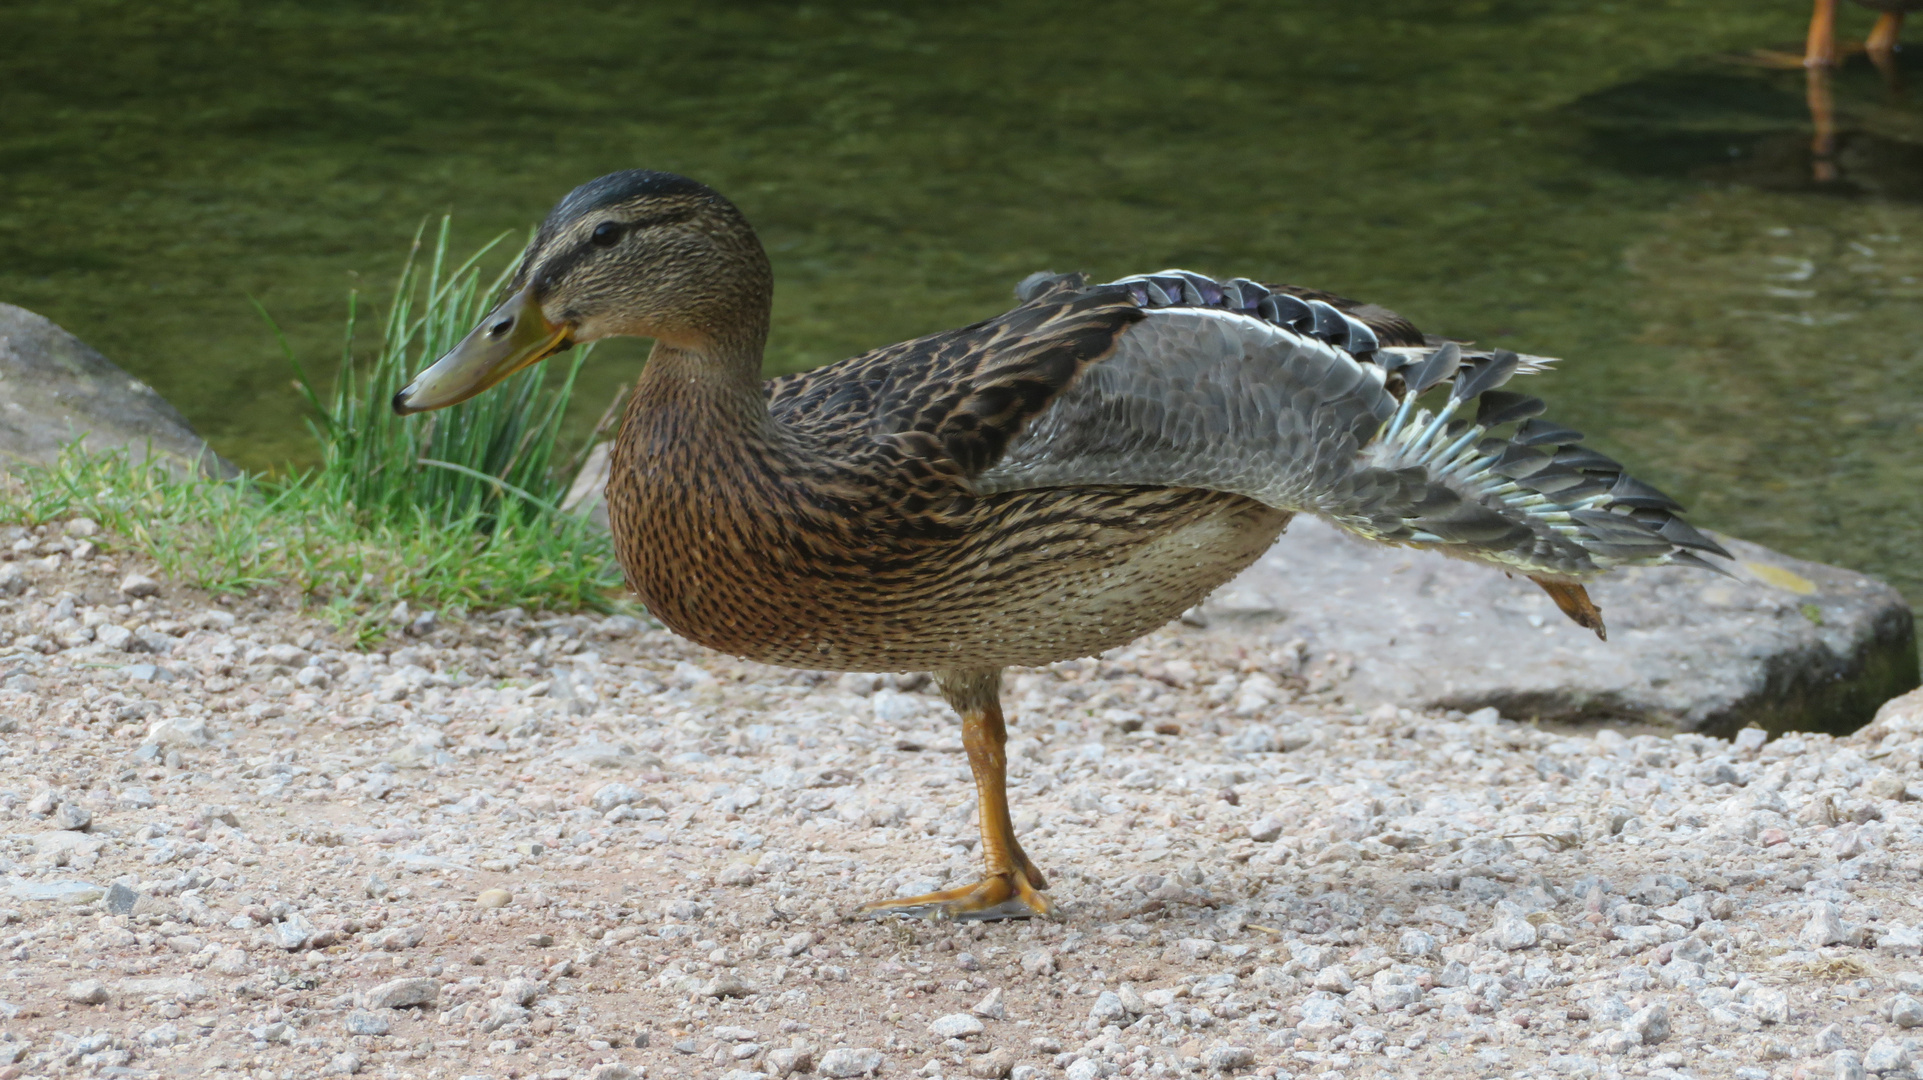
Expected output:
(1294, 397)
(1291, 400)
(955, 399)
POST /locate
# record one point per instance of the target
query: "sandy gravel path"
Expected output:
(579, 847)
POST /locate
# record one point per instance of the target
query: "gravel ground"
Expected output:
(579, 847)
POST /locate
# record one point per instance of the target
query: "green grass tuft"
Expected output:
(452, 509)
(455, 463)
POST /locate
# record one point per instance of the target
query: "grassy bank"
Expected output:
(454, 509)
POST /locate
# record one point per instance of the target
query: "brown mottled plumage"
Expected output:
(836, 527)
(1046, 484)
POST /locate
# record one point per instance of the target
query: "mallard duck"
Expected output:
(1046, 484)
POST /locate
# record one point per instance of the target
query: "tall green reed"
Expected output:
(458, 463)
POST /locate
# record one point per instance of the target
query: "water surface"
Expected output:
(1571, 178)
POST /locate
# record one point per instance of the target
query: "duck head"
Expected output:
(636, 253)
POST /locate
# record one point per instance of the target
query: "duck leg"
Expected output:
(1882, 46)
(1011, 886)
(1820, 49)
(1884, 36)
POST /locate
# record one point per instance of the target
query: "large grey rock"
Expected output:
(54, 388)
(1786, 645)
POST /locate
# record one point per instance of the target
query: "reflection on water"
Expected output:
(1781, 310)
(1848, 132)
(1776, 343)
(1564, 177)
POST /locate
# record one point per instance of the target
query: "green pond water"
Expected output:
(1585, 180)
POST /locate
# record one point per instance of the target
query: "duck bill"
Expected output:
(510, 338)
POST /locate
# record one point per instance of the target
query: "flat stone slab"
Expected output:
(54, 388)
(1784, 645)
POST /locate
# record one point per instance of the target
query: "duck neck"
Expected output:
(706, 392)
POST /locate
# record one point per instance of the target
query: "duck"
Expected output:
(1046, 484)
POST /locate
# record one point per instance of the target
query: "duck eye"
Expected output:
(606, 234)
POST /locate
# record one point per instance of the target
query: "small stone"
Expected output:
(1131, 1000)
(967, 961)
(993, 1065)
(1038, 962)
(121, 899)
(1906, 1011)
(494, 898)
(1613, 1042)
(846, 1061)
(147, 673)
(178, 731)
(737, 873)
(1848, 1066)
(1513, 932)
(613, 1070)
(1335, 978)
(1322, 1017)
(1899, 940)
(520, 991)
(1228, 1058)
(503, 1014)
(346, 1063)
(1416, 943)
(292, 932)
(790, 1060)
(991, 1006)
(1195, 948)
(73, 817)
(1267, 827)
(397, 939)
(1885, 785)
(139, 585)
(956, 1026)
(162, 1035)
(82, 528)
(362, 1022)
(726, 986)
(1649, 1023)
(1083, 1069)
(87, 992)
(1106, 1010)
(136, 798)
(1886, 1055)
(609, 796)
(403, 993)
(1825, 926)
(1770, 1006)
(1830, 1039)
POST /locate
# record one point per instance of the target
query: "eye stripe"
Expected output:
(558, 267)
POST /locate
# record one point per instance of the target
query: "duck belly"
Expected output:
(1023, 578)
